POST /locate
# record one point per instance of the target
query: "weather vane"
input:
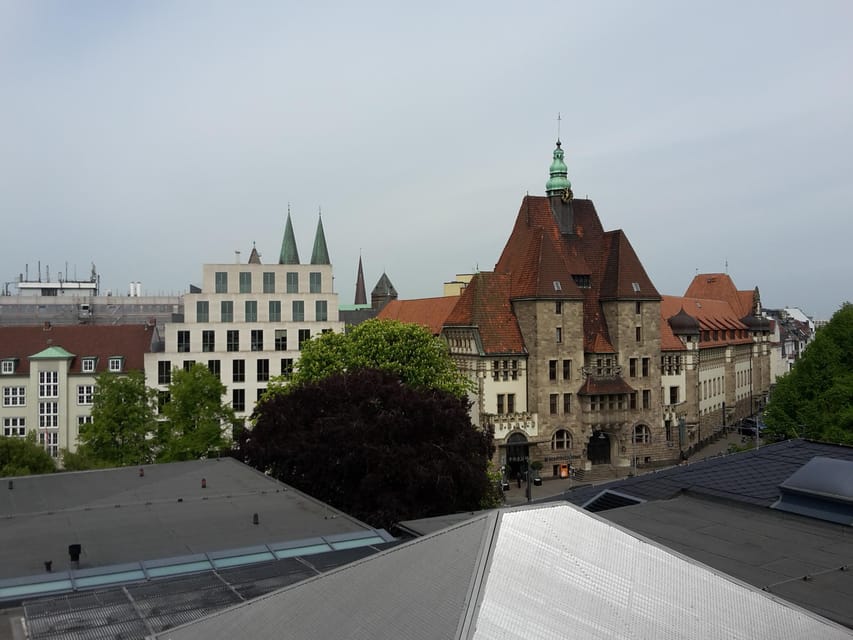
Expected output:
(559, 119)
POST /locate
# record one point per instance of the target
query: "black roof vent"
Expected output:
(609, 499)
(822, 488)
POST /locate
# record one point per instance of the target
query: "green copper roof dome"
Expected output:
(559, 181)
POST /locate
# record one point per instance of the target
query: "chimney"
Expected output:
(47, 325)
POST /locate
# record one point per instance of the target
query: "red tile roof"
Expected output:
(719, 286)
(604, 386)
(537, 256)
(711, 314)
(485, 304)
(131, 342)
(429, 312)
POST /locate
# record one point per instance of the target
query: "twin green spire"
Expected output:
(558, 183)
(289, 253)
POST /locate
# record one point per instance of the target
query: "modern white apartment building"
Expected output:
(250, 320)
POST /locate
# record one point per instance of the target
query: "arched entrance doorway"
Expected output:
(517, 454)
(598, 449)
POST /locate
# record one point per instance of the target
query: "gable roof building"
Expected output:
(48, 375)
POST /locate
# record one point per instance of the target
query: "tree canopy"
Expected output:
(373, 447)
(23, 457)
(409, 351)
(815, 398)
(123, 423)
(196, 419)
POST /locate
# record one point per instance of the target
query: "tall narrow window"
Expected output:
(183, 341)
(292, 282)
(552, 402)
(263, 370)
(269, 282)
(287, 366)
(202, 311)
(510, 403)
(281, 339)
(501, 398)
(647, 399)
(638, 333)
(558, 307)
(164, 372)
(304, 336)
(567, 403)
(275, 310)
(567, 369)
(232, 340)
(321, 313)
(221, 282)
(238, 371)
(208, 341)
(298, 307)
(245, 282)
(226, 311)
(632, 367)
(552, 369)
(215, 367)
(559, 334)
(257, 340)
(315, 282)
(646, 362)
(238, 399)
(251, 311)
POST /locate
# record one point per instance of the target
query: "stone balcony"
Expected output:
(505, 423)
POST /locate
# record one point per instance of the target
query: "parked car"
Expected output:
(750, 427)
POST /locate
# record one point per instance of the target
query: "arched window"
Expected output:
(561, 439)
(642, 434)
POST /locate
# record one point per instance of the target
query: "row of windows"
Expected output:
(250, 311)
(244, 278)
(14, 427)
(554, 401)
(645, 364)
(232, 340)
(722, 334)
(505, 370)
(553, 366)
(670, 365)
(17, 396)
(617, 401)
(87, 365)
(562, 438)
(238, 369)
(711, 388)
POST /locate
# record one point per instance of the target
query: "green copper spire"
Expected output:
(289, 254)
(320, 254)
(558, 183)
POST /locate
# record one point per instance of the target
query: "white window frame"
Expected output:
(48, 384)
(48, 415)
(8, 367)
(81, 420)
(88, 365)
(14, 396)
(15, 427)
(85, 394)
(116, 363)
(50, 441)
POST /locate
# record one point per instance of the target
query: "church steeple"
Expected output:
(289, 253)
(360, 291)
(320, 254)
(558, 184)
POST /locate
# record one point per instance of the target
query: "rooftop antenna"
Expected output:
(727, 266)
(559, 120)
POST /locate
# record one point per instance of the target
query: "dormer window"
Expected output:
(116, 364)
(88, 365)
(582, 281)
(7, 367)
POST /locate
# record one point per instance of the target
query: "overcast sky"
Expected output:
(152, 137)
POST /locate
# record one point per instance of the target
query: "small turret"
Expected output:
(320, 254)
(289, 253)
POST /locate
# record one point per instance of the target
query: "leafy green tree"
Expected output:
(123, 423)
(195, 417)
(377, 449)
(23, 457)
(815, 398)
(409, 351)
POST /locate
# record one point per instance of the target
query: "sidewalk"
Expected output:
(557, 486)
